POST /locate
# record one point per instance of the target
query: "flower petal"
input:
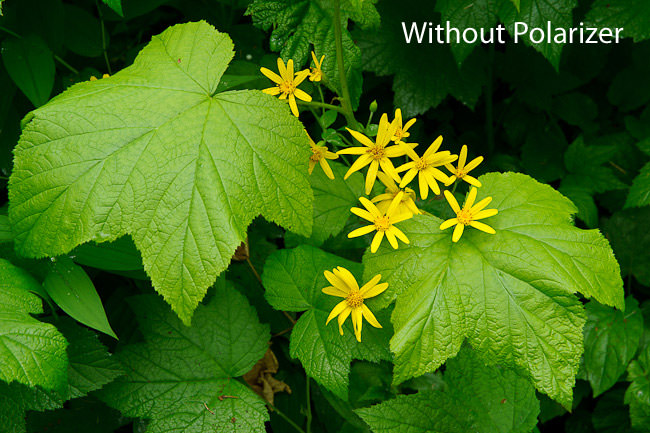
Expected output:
(434, 147)
(485, 214)
(424, 186)
(326, 168)
(376, 290)
(336, 282)
(344, 315)
(283, 70)
(353, 151)
(371, 176)
(271, 75)
(471, 196)
(472, 181)
(361, 231)
(357, 321)
(333, 291)
(371, 207)
(393, 204)
(369, 285)
(408, 177)
(302, 95)
(400, 235)
(452, 201)
(361, 138)
(376, 241)
(292, 104)
(367, 314)
(363, 214)
(458, 232)
(481, 204)
(361, 162)
(482, 227)
(450, 222)
(462, 158)
(346, 276)
(338, 309)
(474, 163)
(273, 91)
(391, 239)
(400, 217)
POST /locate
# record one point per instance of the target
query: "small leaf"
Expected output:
(640, 191)
(31, 352)
(83, 32)
(119, 255)
(628, 232)
(30, 64)
(116, 5)
(631, 15)
(611, 340)
(70, 287)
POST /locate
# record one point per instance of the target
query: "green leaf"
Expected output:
(116, 5)
(627, 230)
(611, 340)
(293, 280)
(17, 399)
(80, 415)
(499, 399)
(424, 412)
(30, 65)
(464, 14)
(510, 294)
(631, 15)
(640, 191)
(297, 25)
(179, 370)
(152, 151)
(537, 13)
(83, 33)
(119, 255)
(5, 229)
(91, 365)
(333, 200)
(424, 74)
(478, 398)
(31, 352)
(70, 287)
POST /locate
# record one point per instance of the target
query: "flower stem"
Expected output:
(308, 405)
(346, 102)
(101, 19)
(321, 105)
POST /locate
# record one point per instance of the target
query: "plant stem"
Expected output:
(101, 19)
(489, 122)
(259, 279)
(345, 97)
(285, 417)
(321, 105)
(57, 58)
(308, 405)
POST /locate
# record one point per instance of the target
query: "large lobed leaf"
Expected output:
(477, 398)
(183, 378)
(510, 294)
(155, 152)
(293, 280)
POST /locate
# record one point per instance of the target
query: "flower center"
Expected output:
(354, 299)
(287, 87)
(377, 152)
(316, 74)
(316, 154)
(464, 216)
(398, 133)
(421, 164)
(460, 173)
(382, 223)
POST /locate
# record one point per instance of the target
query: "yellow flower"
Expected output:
(461, 171)
(425, 167)
(320, 154)
(376, 154)
(316, 73)
(382, 222)
(383, 201)
(344, 285)
(401, 132)
(468, 215)
(287, 84)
